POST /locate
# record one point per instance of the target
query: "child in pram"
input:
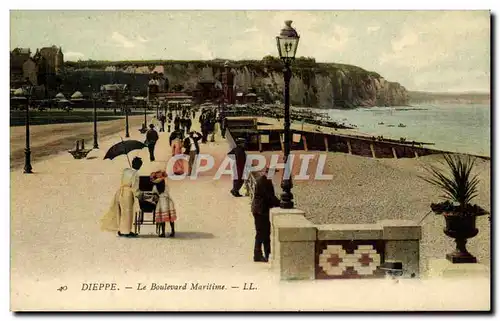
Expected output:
(165, 208)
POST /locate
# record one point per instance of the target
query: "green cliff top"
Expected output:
(268, 62)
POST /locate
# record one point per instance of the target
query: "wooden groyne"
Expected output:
(260, 138)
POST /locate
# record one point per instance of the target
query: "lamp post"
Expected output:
(96, 145)
(287, 42)
(225, 96)
(145, 107)
(27, 152)
(145, 114)
(127, 134)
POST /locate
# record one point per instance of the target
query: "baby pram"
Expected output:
(147, 205)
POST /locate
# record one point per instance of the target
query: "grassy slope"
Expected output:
(273, 64)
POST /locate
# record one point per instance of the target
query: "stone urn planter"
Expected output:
(460, 187)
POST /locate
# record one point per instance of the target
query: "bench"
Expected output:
(79, 153)
(143, 129)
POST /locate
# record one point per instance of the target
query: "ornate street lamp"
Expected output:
(287, 42)
(225, 87)
(145, 115)
(96, 145)
(27, 152)
(127, 134)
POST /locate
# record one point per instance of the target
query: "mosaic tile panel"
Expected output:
(349, 259)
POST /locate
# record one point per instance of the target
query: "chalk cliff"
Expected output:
(322, 85)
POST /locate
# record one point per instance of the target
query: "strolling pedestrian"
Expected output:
(177, 123)
(183, 125)
(189, 123)
(205, 126)
(213, 123)
(192, 148)
(239, 155)
(119, 217)
(165, 207)
(223, 126)
(264, 199)
(151, 139)
(176, 144)
(163, 119)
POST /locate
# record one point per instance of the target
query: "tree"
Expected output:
(270, 59)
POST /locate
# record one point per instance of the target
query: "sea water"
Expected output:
(463, 128)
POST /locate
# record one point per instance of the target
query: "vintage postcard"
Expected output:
(250, 160)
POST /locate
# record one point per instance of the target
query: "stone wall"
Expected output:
(303, 250)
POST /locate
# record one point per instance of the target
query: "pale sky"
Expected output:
(423, 50)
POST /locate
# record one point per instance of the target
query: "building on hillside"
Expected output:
(18, 57)
(50, 63)
(158, 83)
(40, 69)
(249, 98)
(116, 92)
(30, 71)
(177, 100)
(53, 59)
(208, 91)
(228, 84)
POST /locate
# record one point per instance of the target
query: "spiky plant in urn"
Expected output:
(459, 186)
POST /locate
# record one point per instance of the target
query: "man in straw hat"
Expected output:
(264, 199)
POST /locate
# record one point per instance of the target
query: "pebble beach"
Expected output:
(365, 190)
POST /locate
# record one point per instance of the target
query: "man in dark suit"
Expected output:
(189, 123)
(205, 126)
(191, 148)
(177, 123)
(264, 199)
(151, 139)
(223, 126)
(240, 157)
(163, 119)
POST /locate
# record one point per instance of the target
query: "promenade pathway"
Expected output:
(56, 242)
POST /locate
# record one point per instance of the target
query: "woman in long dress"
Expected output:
(165, 208)
(119, 217)
(176, 143)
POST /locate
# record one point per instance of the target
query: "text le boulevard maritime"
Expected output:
(192, 286)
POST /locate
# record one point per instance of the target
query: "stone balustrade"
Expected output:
(306, 251)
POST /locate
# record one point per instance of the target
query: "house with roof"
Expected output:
(41, 69)
(158, 82)
(18, 57)
(249, 98)
(50, 59)
(117, 92)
